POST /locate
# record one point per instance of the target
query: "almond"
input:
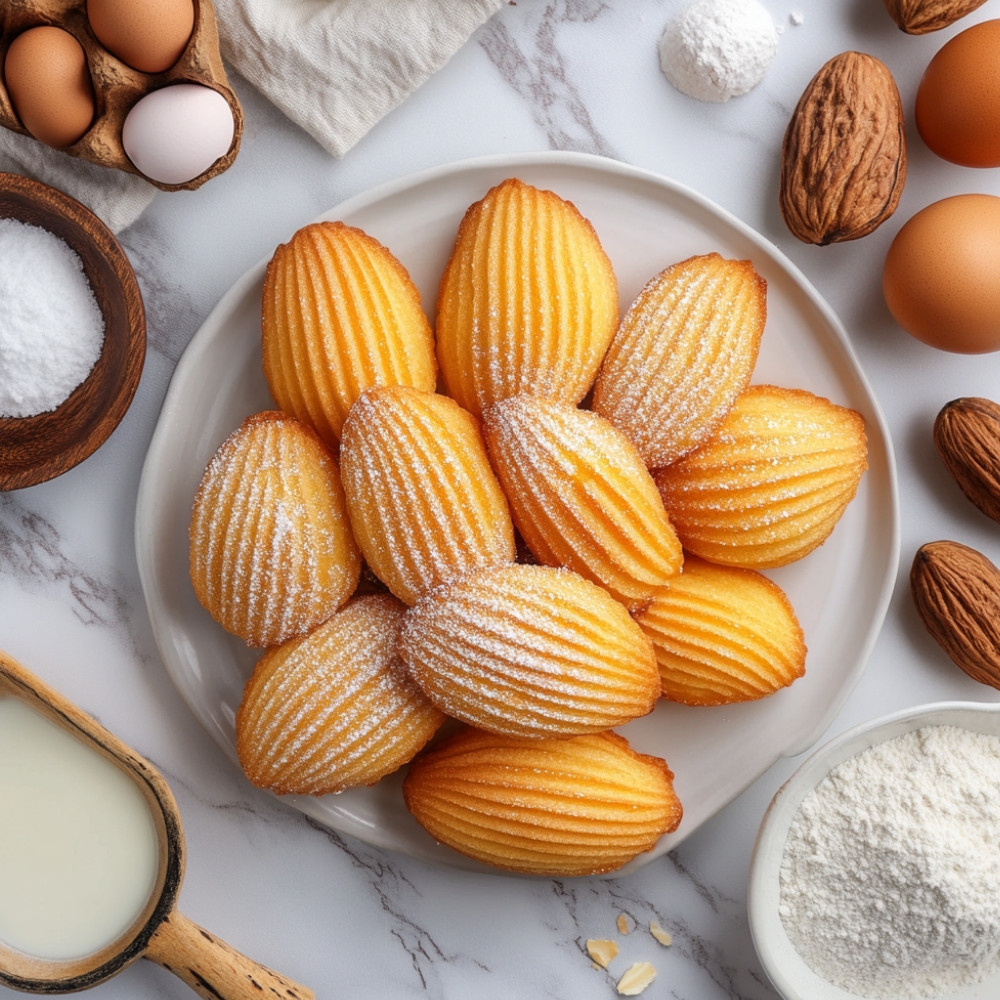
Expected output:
(843, 158)
(601, 951)
(956, 591)
(919, 17)
(636, 978)
(967, 437)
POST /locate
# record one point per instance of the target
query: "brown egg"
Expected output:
(941, 278)
(148, 35)
(958, 100)
(49, 85)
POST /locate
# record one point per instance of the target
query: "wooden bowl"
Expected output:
(37, 448)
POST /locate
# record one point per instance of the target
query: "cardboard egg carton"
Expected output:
(117, 86)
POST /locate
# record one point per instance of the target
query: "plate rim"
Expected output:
(353, 204)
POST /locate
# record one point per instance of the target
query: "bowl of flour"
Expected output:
(876, 870)
(72, 332)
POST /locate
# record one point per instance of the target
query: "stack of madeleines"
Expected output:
(532, 520)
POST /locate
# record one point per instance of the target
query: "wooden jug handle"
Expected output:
(212, 968)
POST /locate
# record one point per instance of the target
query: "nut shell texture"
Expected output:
(919, 17)
(770, 485)
(581, 496)
(271, 549)
(340, 314)
(967, 438)
(723, 635)
(424, 503)
(956, 591)
(528, 301)
(684, 351)
(843, 156)
(530, 651)
(334, 709)
(559, 807)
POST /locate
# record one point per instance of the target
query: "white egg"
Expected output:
(176, 133)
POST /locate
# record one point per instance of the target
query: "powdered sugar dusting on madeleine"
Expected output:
(423, 501)
(271, 550)
(581, 496)
(530, 651)
(772, 483)
(335, 709)
(528, 301)
(685, 349)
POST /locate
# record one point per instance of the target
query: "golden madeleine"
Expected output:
(772, 482)
(723, 634)
(584, 805)
(685, 349)
(528, 301)
(334, 709)
(581, 496)
(530, 651)
(423, 501)
(340, 314)
(271, 553)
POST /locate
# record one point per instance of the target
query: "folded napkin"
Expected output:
(335, 67)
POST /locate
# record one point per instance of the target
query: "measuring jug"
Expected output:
(53, 750)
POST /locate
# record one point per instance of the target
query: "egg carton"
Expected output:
(117, 86)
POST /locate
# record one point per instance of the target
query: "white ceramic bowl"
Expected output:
(786, 969)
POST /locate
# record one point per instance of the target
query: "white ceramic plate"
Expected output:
(789, 974)
(645, 222)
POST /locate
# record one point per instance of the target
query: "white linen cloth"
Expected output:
(335, 67)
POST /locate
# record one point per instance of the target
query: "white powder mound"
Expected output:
(890, 878)
(51, 327)
(717, 49)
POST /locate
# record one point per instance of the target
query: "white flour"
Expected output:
(890, 879)
(717, 49)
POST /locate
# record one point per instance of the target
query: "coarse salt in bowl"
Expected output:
(925, 863)
(37, 446)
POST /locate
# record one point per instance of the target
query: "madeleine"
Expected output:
(271, 553)
(585, 805)
(528, 301)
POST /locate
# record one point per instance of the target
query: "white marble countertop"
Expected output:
(332, 913)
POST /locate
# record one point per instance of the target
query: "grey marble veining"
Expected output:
(526, 51)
